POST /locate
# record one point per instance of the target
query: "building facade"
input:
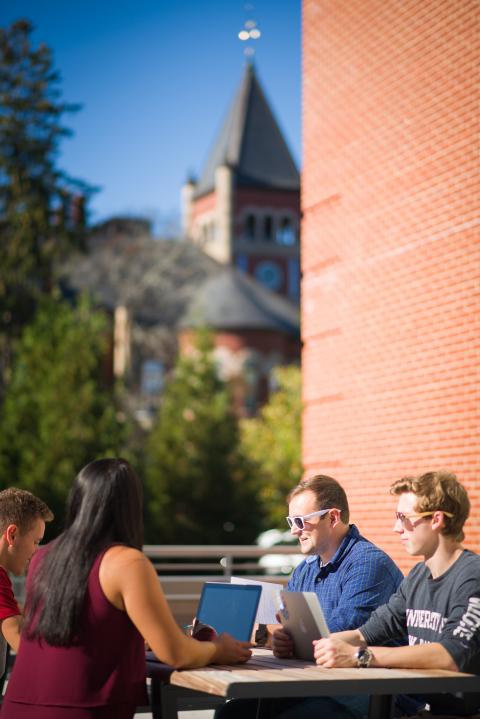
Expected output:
(254, 331)
(390, 249)
(244, 210)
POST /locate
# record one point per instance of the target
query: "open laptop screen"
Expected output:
(229, 608)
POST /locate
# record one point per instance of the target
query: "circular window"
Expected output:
(270, 274)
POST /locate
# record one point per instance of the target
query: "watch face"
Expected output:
(364, 657)
(270, 274)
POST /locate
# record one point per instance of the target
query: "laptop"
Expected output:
(303, 618)
(229, 608)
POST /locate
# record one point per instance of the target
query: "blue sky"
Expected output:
(155, 79)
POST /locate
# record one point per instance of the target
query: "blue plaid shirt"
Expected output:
(359, 578)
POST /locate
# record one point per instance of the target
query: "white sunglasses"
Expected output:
(299, 522)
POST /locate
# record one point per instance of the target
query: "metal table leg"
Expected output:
(381, 706)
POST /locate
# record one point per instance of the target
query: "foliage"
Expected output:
(156, 279)
(273, 441)
(41, 211)
(199, 486)
(56, 416)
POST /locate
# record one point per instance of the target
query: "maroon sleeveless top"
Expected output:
(104, 666)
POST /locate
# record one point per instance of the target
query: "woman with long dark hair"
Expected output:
(92, 600)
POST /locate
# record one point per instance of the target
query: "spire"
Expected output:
(251, 144)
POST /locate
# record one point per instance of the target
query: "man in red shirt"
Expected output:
(22, 526)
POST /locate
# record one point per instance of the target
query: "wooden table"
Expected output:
(265, 677)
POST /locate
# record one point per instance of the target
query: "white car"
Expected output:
(278, 563)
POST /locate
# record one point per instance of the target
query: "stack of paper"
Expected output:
(270, 599)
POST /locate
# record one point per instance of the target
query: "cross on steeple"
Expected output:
(250, 32)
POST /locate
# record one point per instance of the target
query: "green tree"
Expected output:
(41, 208)
(199, 486)
(56, 416)
(273, 441)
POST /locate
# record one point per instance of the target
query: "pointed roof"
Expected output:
(251, 143)
(231, 300)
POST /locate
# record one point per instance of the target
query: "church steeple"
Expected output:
(251, 144)
(245, 208)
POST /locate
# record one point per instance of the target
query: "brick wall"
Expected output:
(278, 199)
(265, 342)
(234, 350)
(390, 249)
(201, 205)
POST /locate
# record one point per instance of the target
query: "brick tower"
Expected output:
(245, 208)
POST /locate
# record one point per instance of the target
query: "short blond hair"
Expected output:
(438, 490)
(22, 508)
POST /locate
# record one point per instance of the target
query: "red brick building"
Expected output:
(390, 249)
(244, 210)
(255, 330)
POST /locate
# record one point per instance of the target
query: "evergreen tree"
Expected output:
(41, 208)
(199, 487)
(273, 442)
(56, 416)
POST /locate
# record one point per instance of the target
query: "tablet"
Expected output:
(303, 618)
(229, 608)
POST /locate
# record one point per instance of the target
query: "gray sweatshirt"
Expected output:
(444, 610)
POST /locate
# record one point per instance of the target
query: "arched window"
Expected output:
(267, 228)
(286, 232)
(250, 227)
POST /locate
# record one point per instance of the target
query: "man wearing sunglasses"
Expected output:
(350, 575)
(437, 605)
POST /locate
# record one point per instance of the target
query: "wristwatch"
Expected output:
(364, 657)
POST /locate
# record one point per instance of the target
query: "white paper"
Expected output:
(270, 599)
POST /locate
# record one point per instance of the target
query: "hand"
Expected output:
(230, 651)
(271, 629)
(203, 632)
(333, 652)
(282, 644)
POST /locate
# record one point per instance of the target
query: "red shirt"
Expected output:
(8, 603)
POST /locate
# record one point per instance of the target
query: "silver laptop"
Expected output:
(303, 618)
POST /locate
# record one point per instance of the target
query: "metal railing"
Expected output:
(222, 557)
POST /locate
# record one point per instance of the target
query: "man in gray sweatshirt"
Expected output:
(438, 603)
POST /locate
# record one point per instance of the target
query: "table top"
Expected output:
(265, 676)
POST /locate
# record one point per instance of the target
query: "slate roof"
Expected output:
(232, 300)
(165, 282)
(251, 143)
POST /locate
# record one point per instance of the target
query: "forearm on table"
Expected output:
(185, 652)
(351, 636)
(421, 656)
(199, 654)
